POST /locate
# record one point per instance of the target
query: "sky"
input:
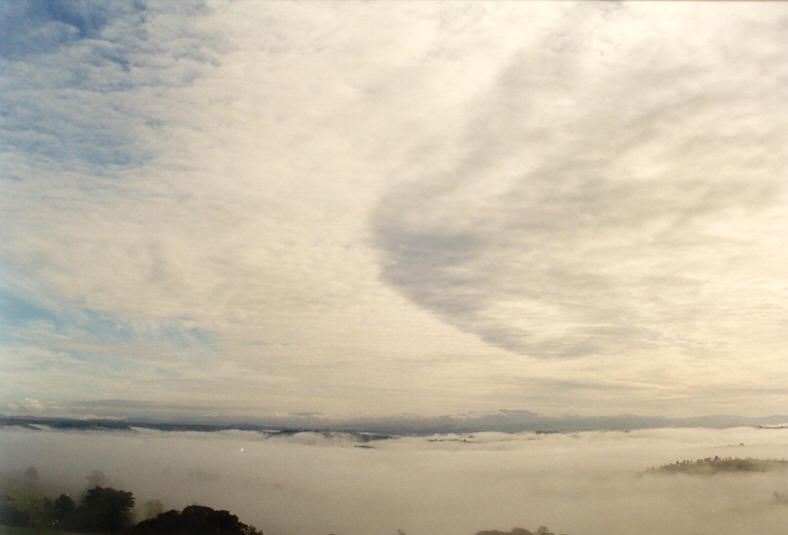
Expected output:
(381, 209)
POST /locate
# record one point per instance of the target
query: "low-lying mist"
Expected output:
(309, 483)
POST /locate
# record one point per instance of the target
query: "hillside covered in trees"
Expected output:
(717, 465)
(542, 530)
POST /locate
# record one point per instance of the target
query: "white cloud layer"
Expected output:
(383, 208)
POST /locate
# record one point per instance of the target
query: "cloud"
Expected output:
(618, 194)
(207, 196)
(72, 69)
(27, 406)
(42, 26)
(344, 208)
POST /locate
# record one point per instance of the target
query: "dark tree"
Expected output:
(62, 508)
(103, 509)
(194, 520)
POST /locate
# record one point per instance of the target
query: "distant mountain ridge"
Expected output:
(366, 429)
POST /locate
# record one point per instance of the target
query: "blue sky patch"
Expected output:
(18, 314)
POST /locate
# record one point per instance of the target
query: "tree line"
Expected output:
(722, 464)
(108, 510)
(105, 510)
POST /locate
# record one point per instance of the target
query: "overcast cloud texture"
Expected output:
(370, 209)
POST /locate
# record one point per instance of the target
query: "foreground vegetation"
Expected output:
(25, 509)
(107, 510)
(103, 511)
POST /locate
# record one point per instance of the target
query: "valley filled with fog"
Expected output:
(319, 483)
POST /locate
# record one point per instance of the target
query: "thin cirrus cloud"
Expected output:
(382, 208)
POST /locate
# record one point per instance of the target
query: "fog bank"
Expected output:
(309, 483)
